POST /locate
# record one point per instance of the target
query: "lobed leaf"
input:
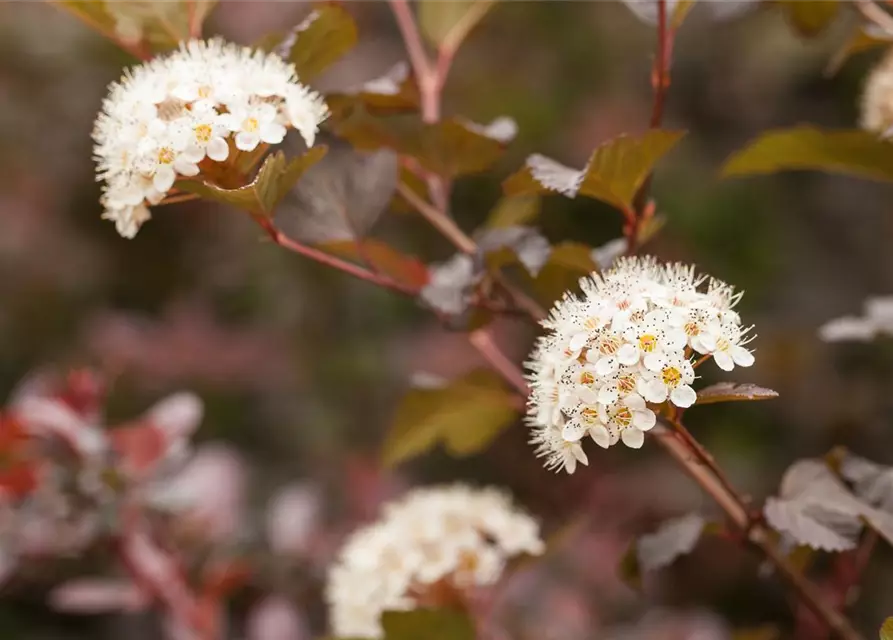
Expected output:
(322, 38)
(886, 631)
(872, 482)
(809, 18)
(674, 538)
(273, 181)
(341, 197)
(512, 211)
(449, 22)
(465, 416)
(851, 152)
(734, 392)
(427, 624)
(615, 171)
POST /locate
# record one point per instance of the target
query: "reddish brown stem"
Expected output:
(482, 339)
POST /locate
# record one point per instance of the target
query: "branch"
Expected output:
(757, 534)
(660, 83)
(443, 223)
(874, 14)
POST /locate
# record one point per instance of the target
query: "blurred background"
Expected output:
(301, 368)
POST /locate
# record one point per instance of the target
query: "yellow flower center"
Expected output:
(587, 378)
(691, 328)
(722, 344)
(203, 132)
(250, 125)
(671, 376)
(165, 155)
(626, 384)
(609, 346)
(648, 343)
(204, 92)
(623, 417)
(589, 415)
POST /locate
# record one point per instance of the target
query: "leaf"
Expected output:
(427, 624)
(161, 25)
(319, 40)
(506, 244)
(273, 180)
(450, 22)
(629, 570)
(382, 258)
(809, 17)
(448, 148)
(886, 631)
(605, 255)
(815, 508)
(673, 538)
(514, 210)
(568, 262)
(733, 392)
(851, 152)
(863, 38)
(341, 197)
(872, 482)
(466, 415)
(614, 173)
(395, 90)
(450, 284)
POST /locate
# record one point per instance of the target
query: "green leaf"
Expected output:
(273, 180)
(465, 415)
(450, 22)
(382, 258)
(619, 167)
(850, 152)
(325, 35)
(680, 12)
(161, 25)
(860, 40)
(513, 211)
(448, 148)
(568, 262)
(886, 632)
(810, 17)
(733, 392)
(615, 171)
(427, 624)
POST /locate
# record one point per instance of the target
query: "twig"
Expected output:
(444, 224)
(874, 14)
(757, 534)
(482, 339)
(660, 83)
(331, 261)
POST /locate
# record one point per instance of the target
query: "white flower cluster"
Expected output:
(626, 342)
(877, 320)
(434, 542)
(877, 98)
(205, 102)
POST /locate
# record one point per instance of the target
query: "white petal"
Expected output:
(217, 149)
(608, 394)
(644, 420)
(634, 402)
(606, 366)
(633, 438)
(578, 341)
(723, 360)
(185, 168)
(600, 436)
(587, 394)
(573, 431)
(628, 354)
(570, 463)
(654, 361)
(247, 141)
(703, 343)
(579, 454)
(193, 153)
(164, 178)
(272, 133)
(742, 357)
(675, 339)
(654, 391)
(683, 396)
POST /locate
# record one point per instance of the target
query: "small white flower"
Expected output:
(167, 115)
(455, 537)
(625, 342)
